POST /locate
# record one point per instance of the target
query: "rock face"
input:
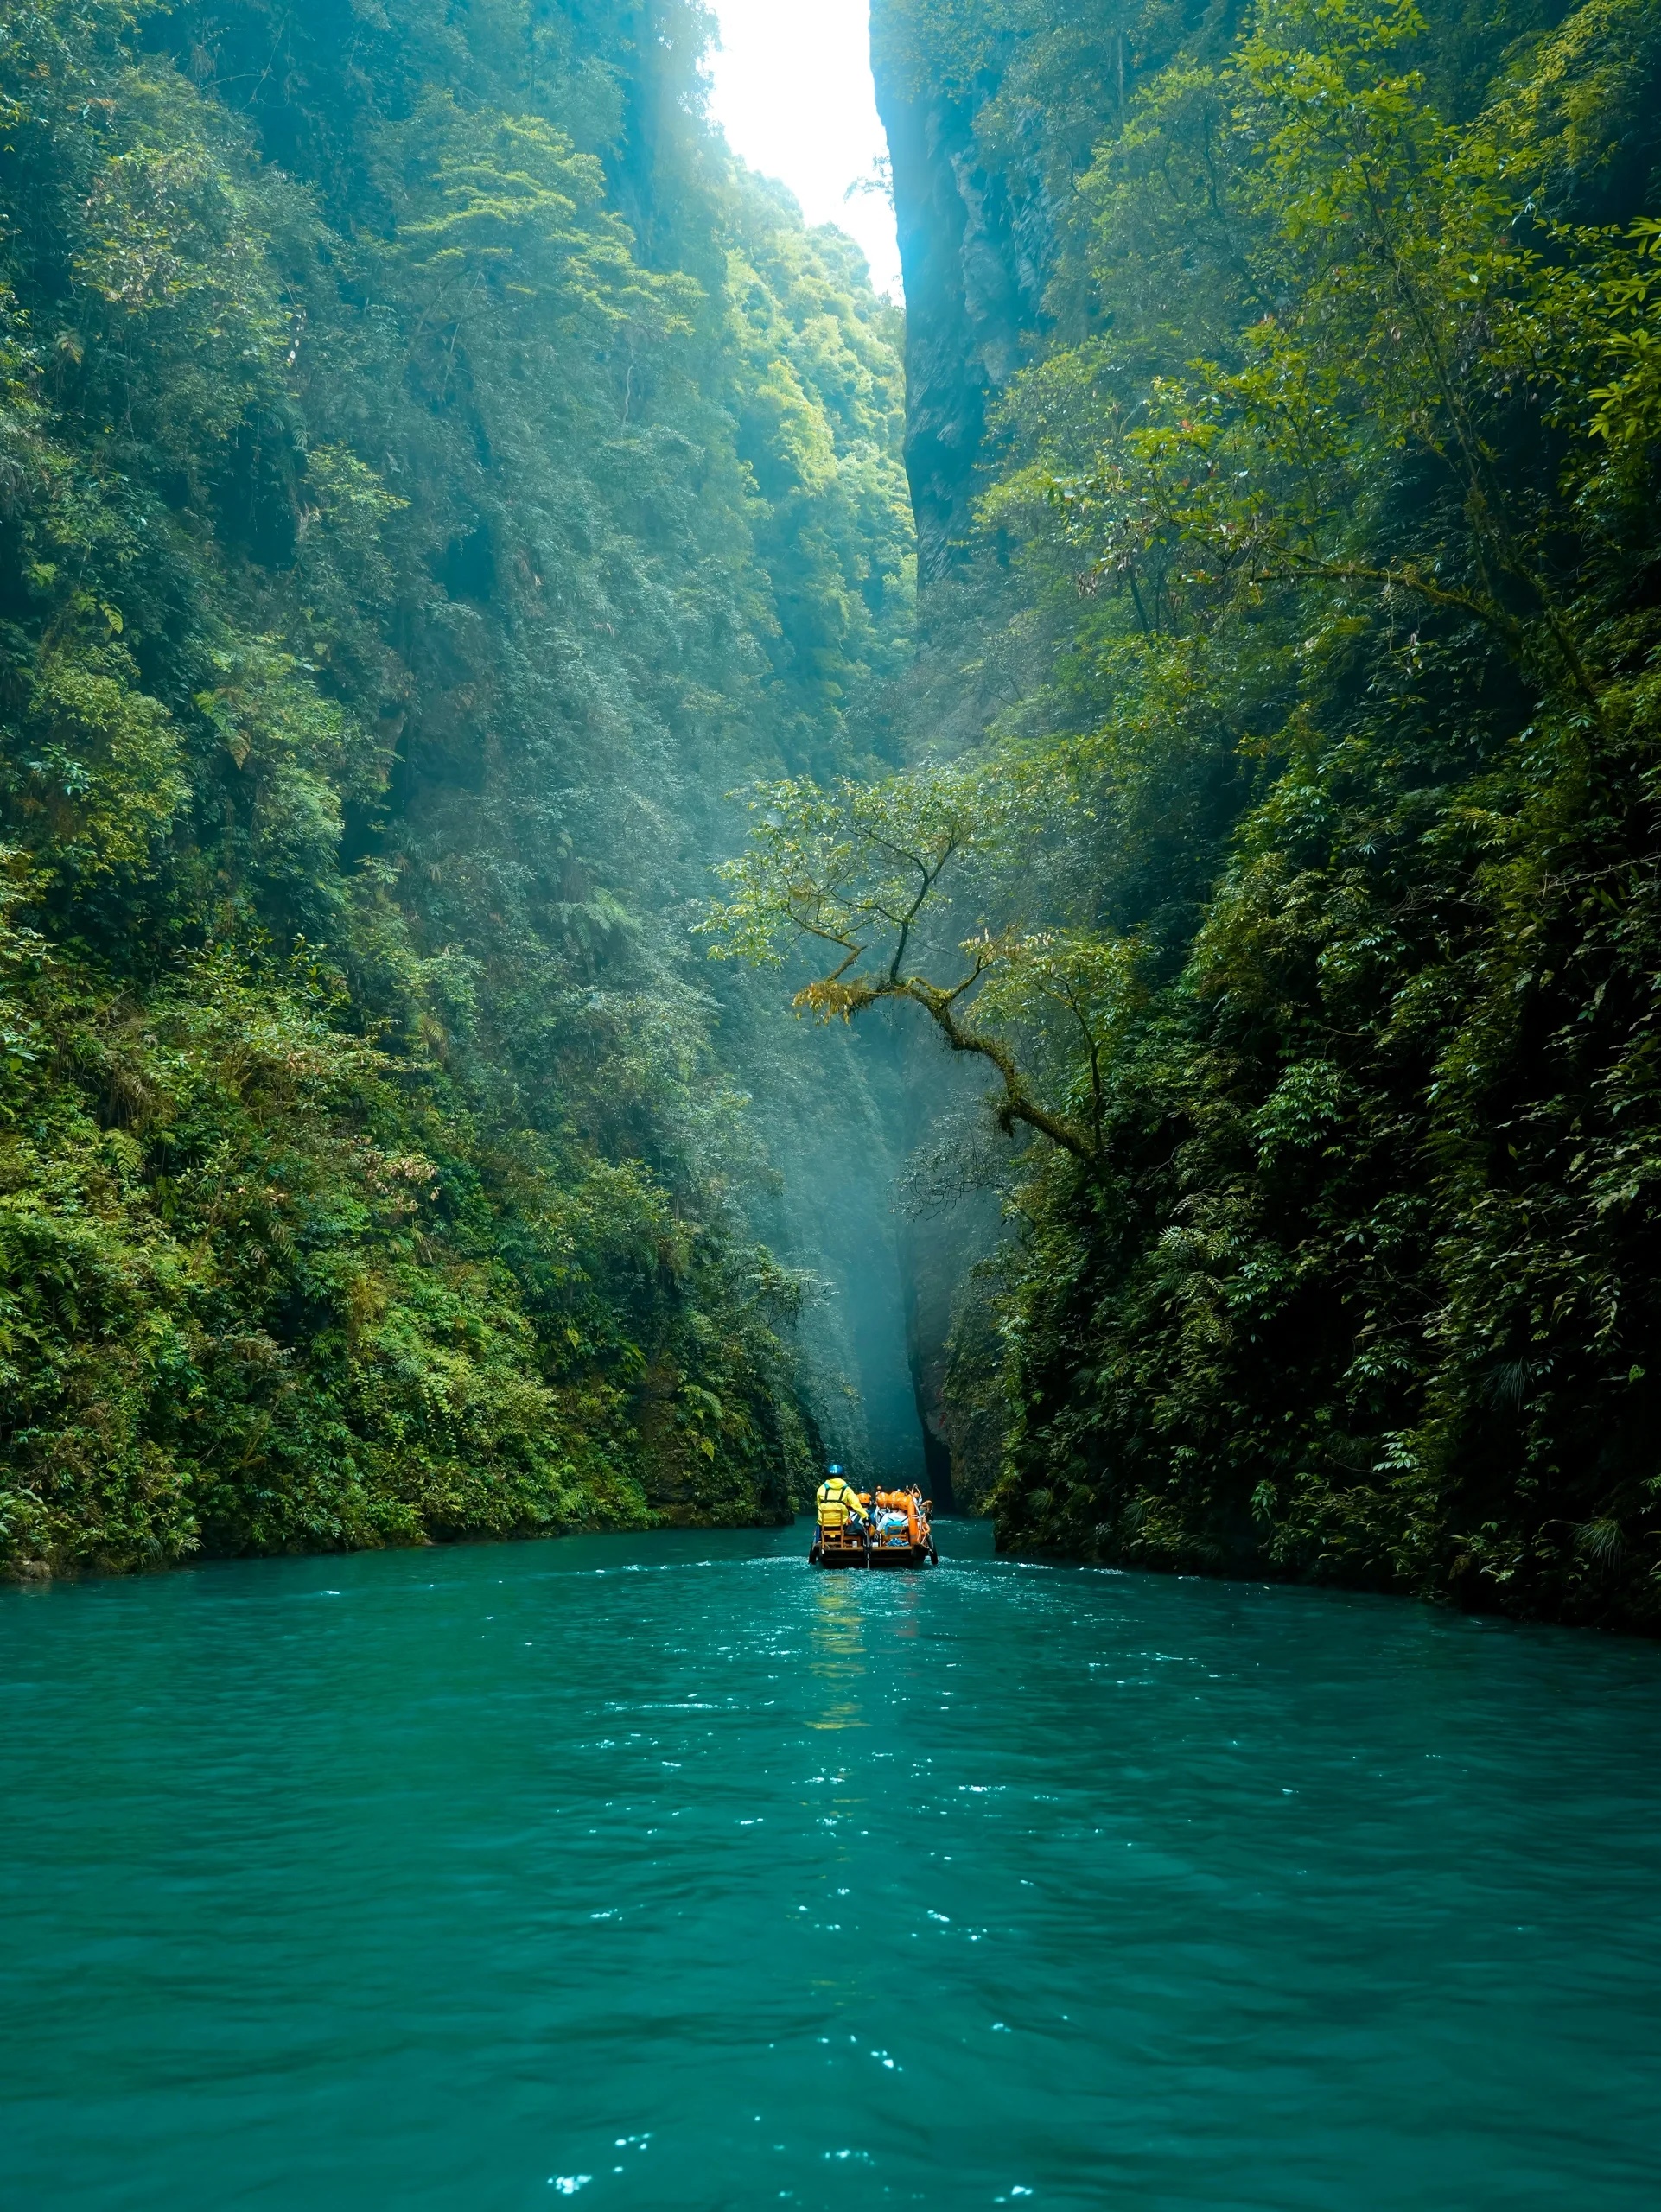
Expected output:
(973, 255)
(974, 250)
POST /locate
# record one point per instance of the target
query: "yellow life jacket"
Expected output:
(837, 1502)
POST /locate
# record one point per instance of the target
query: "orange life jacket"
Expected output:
(908, 1503)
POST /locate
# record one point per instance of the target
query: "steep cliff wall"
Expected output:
(432, 475)
(973, 251)
(975, 248)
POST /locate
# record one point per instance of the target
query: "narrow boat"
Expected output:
(896, 1533)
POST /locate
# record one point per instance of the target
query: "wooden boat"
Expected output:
(898, 1534)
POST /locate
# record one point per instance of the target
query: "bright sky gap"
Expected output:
(792, 90)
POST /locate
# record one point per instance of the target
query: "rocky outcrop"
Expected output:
(973, 254)
(975, 246)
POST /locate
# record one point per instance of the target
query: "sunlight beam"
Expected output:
(792, 89)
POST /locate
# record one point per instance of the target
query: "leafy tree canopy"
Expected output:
(1329, 490)
(431, 473)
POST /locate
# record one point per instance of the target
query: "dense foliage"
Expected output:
(1313, 893)
(430, 475)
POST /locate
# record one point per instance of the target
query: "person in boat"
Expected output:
(903, 1510)
(903, 1507)
(839, 1503)
(891, 1515)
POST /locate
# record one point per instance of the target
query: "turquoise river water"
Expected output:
(666, 1873)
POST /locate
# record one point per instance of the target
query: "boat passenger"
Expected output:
(838, 1502)
(902, 1509)
(891, 1513)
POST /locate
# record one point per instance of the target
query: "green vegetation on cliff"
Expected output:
(430, 475)
(1305, 905)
